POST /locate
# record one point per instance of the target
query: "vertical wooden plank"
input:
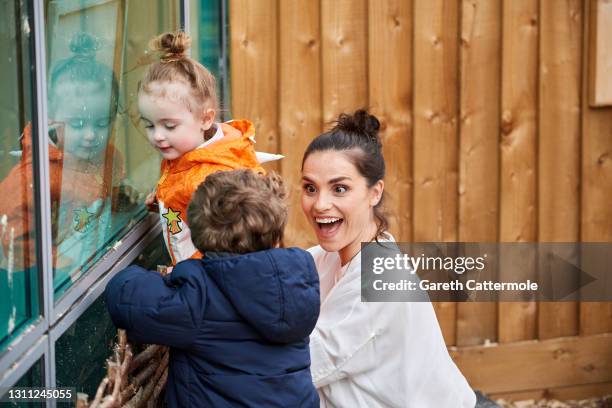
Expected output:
(435, 132)
(344, 56)
(559, 142)
(254, 68)
(596, 216)
(480, 87)
(390, 83)
(517, 321)
(600, 56)
(300, 103)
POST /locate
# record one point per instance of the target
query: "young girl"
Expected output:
(178, 104)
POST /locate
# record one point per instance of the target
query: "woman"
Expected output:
(366, 354)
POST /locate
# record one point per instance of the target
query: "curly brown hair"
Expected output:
(238, 211)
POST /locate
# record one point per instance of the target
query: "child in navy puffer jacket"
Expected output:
(238, 320)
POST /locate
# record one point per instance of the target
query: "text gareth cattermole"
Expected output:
(414, 264)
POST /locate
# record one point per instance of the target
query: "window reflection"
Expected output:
(100, 166)
(18, 274)
(103, 168)
(85, 166)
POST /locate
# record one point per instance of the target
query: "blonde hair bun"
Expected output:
(171, 46)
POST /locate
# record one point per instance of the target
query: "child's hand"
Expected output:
(151, 201)
(164, 270)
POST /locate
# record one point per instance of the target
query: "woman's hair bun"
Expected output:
(171, 46)
(360, 122)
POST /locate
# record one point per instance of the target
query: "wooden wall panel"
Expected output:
(600, 55)
(480, 88)
(535, 365)
(570, 392)
(300, 103)
(596, 198)
(344, 57)
(254, 69)
(488, 135)
(559, 142)
(390, 84)
(517, 321)
(435, 132)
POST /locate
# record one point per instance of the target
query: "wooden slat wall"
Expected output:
(300, 102)
(435, 133)
(559, 142)
(255, 68)
(344, 57)
(390, 23)
(596, 188)
(517, 320)
(480, 52)
(489, 135)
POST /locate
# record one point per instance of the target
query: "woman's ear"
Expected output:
(208, 118)
(376, 192)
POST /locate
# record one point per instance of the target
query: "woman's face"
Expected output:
(83, 114)
(338, 203)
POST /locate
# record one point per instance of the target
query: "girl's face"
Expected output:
(171, 127)
(338, 203)
(83, 114)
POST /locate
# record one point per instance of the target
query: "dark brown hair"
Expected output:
(238, 211)
(357, 136)
(175, 65)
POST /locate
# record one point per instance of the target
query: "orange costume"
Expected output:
(182, 176)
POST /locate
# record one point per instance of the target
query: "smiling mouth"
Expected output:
(327, 226)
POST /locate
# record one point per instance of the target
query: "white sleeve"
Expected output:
(345, 339)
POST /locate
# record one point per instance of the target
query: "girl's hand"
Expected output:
(151, 201)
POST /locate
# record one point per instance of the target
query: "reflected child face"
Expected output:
(172, 128)
(83, 112)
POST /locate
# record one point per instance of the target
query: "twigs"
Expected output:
(144, 356)
(132, 379)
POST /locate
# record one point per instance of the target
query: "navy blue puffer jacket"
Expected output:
(237, 326)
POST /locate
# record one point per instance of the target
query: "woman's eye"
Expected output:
(170, 126)
(309, 188)
(340, 189)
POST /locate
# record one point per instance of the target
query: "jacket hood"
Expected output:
(236, 149)
(276, 291)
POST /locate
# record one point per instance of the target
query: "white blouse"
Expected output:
(378, 354)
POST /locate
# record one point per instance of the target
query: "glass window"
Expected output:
(206, 28)
(33, 378)
(82, 349)
(18, 273)
(101, 166)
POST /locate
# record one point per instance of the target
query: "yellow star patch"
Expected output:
(173, 220)
(81, 219)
